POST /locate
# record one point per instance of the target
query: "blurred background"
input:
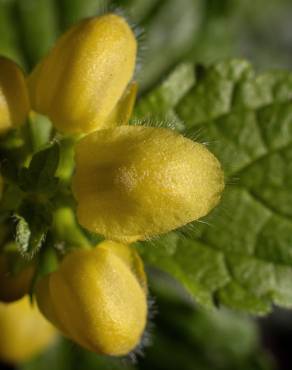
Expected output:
(180, 335)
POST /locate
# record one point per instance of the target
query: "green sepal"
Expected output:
(40, 175)
(32, 225)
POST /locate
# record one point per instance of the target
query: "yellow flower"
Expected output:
(98, 298)
(83, 77)
(23, 331)
(14, 102)
(134, 182)
(14, 286)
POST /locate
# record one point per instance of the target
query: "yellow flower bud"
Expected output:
(14, 286)
(14, 102)
(98, 298)
(134, 182)
(82, 79)
(24, 332)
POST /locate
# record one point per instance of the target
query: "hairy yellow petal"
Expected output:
(134, 182)
(98, 298)
(83, 77)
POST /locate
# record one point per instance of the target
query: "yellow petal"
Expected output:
(83, 77)
(130, 257)
(97, 299)
(134, 182)
(24, 331)
(14, 102)
(123, 110)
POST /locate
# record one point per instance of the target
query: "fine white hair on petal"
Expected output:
(151, 121)
(147, 336)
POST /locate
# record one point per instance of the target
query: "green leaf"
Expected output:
(32, 224)
(239, 256)
(201, 270)
(160, 102)
(23, 233)
(40, 175)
